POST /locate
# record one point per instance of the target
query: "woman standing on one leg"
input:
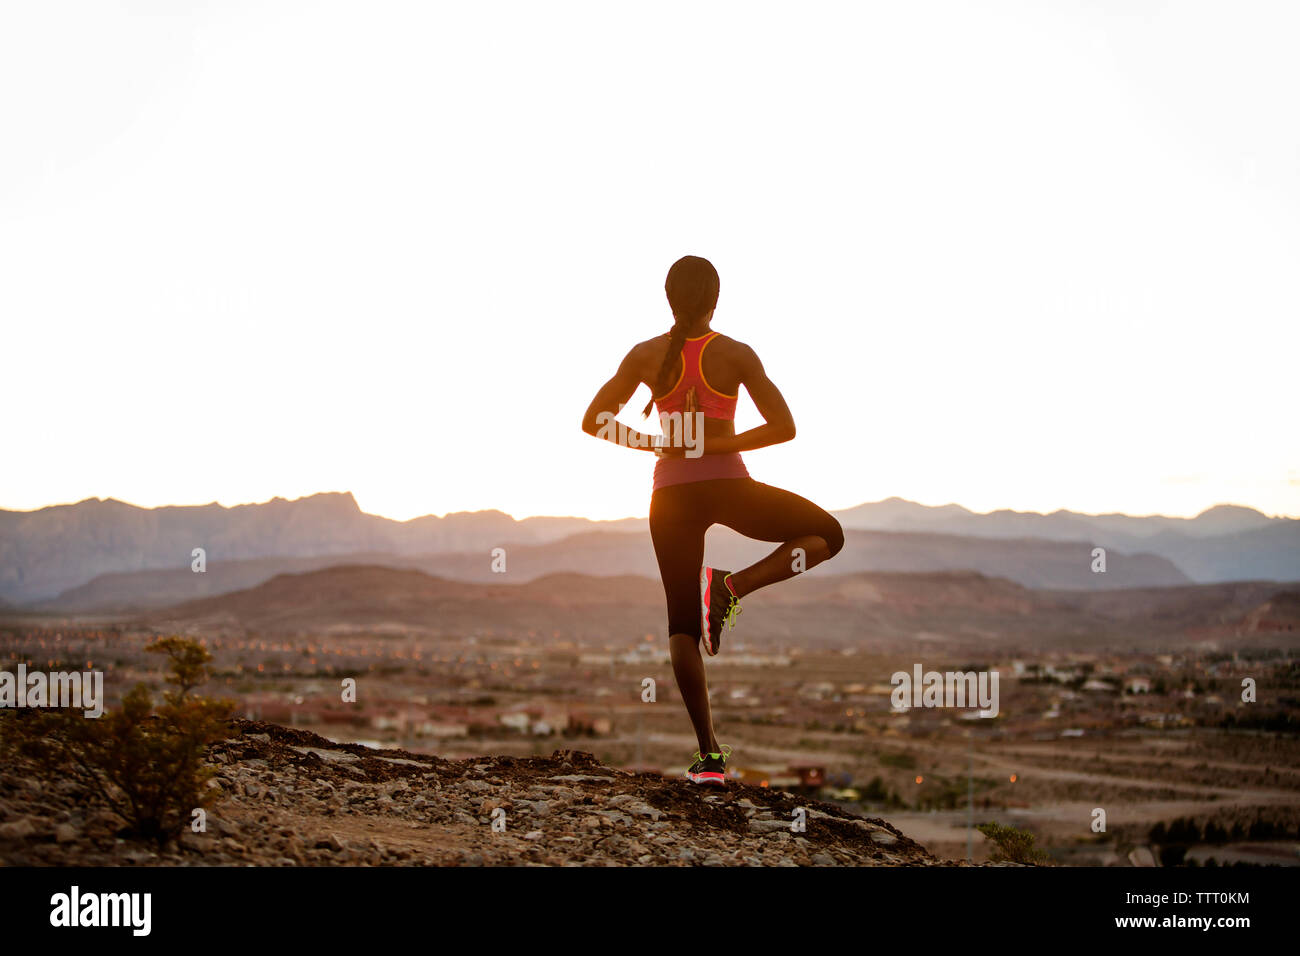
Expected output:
(692, 369)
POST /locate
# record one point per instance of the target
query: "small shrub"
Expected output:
(1011, 845)
(146, 764)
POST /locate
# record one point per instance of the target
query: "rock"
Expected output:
(220, 826)
(769, 826)
(823, 859)
(65, 833)
(547, 793)
(533, 835)
(636, 807)
(19, 829)
(329, 842)
(1142, 856)
(882, 837)
(329, 756)
(103, 822)
(583, 778)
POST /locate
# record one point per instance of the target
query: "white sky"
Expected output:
(1028, 255)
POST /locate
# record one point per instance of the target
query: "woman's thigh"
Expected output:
(768, 513)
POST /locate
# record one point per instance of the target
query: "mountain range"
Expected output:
(104, 553)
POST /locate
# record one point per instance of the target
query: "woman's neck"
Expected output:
(699, 327)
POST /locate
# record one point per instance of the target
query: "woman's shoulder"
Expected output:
(654, 346)
(649, 354)
(725, 343)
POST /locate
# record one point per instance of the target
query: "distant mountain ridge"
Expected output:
(46, 552)
(903, 515)
(52, 549)
(1031, 563)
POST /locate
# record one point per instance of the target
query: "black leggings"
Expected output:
(681, 514)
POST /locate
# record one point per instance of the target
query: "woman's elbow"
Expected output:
(594, 422)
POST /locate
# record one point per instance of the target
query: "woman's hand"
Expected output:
(668, 451)
(674, 446)
(692, 403)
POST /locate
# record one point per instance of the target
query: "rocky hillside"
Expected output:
(290, 797)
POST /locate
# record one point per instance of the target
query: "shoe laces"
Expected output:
(733, 605)
(722, 753)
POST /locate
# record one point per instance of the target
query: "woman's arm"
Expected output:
(609, 401)
(778, 423)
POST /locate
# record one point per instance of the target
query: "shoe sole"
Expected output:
(716, 779)
(706, 597)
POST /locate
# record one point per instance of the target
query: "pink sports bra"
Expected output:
(714, 404)
(709, 400)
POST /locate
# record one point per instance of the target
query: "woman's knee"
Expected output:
(833, 535)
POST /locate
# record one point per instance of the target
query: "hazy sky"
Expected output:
(1028, 255)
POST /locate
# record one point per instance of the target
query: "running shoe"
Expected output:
(710, 768)
(718, 607)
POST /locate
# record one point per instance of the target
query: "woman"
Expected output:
(697, 372)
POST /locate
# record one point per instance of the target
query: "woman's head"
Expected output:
(692, 288)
